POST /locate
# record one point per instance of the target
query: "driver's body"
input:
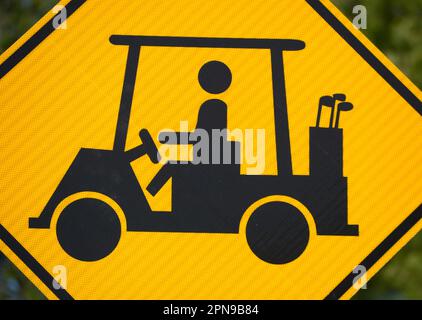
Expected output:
(215, 78)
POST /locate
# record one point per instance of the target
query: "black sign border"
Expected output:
(342, 30)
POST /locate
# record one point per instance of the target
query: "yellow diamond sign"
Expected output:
(205, 150)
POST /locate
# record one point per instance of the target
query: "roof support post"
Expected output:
(282, 137)
(127, 97)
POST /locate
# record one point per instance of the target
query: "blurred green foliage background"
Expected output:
(394, 26)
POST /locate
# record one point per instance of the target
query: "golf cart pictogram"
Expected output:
(277, 232)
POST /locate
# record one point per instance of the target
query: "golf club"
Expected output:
(336, 97)
(344, 106)
(327, 101)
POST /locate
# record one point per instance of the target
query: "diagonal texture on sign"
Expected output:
(214, 266)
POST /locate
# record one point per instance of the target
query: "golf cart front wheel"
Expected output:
(277, 232)
(88, 229)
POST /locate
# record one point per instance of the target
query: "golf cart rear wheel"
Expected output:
(88, 229)
(277, 232)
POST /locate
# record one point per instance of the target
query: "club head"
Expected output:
(345, 106)
(339, 97)
(327, 101)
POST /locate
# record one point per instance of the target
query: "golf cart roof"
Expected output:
(233, 43)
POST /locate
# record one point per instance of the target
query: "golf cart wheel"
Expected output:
(88, 229)
(277, 232)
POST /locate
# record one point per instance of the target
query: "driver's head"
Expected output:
(215, 77)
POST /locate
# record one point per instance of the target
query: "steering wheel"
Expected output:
(148, 145)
